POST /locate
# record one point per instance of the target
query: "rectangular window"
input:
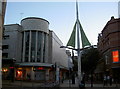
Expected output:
(33, 44)
(115, 55)
(6, 37)
(39, 43)
(5, 47)
(5, 55)
(27, 34)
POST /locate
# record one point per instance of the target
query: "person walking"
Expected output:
(104, 80)
(110, 80)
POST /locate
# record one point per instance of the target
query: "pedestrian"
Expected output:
(62, 79)
(110, 80)
(83, 80)
(104, 80)
(91, 80)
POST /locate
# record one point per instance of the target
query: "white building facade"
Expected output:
(39, 50)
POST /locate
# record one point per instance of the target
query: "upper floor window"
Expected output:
(6, 37)
(5, 47)
(5, 55)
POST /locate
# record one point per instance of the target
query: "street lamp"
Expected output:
(79, 62)
(69, 65)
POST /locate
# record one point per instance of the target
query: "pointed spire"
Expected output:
(71, 41)
(79, 30)
(85, 41)
(77, 10)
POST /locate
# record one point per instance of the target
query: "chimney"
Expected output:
(112, 18)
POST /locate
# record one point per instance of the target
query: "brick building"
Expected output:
(109, 47)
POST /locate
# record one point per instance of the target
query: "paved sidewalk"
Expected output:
(30, 84)
(68, 83)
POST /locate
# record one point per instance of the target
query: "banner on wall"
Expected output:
(115, 56)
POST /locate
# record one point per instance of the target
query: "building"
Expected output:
(35, 49)
(12, 41)
(2, 15)
(109, 47)
(12, 49)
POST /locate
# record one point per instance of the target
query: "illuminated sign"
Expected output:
(115, 55)
(40, 68)
(11, 67)
(4, 69)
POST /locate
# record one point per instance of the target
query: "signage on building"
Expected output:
(38, 68)
(115, 56)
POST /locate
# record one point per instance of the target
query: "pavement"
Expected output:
(7, 84)
(68, 83)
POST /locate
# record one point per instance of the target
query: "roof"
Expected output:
(34, 18)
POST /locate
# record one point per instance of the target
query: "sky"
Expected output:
(62, 16)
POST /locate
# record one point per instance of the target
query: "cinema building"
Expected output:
(35, 49)
(109, 47)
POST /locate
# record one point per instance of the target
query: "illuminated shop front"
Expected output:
(31, 71)
(5, 73)
(8, 69)
(116, 64)
(35, 48)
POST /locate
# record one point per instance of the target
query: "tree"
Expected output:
(89, 58)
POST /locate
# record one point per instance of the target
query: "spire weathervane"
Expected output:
(78, 46)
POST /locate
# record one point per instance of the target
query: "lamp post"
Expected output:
(79, 62)
(69, 65)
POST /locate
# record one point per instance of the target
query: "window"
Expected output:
(106, 59)
(26, 46)
(39, 46)
(5, 47)
(33, 45)
(5, 55)
(6, 37)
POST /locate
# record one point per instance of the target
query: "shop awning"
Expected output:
(34, 64)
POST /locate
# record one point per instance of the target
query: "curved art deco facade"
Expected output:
(35, 40)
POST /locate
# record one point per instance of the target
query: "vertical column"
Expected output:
(29, 47)
(36, 46)
(47, 75)
(42, 46)
(24, 46)
(32, 74)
